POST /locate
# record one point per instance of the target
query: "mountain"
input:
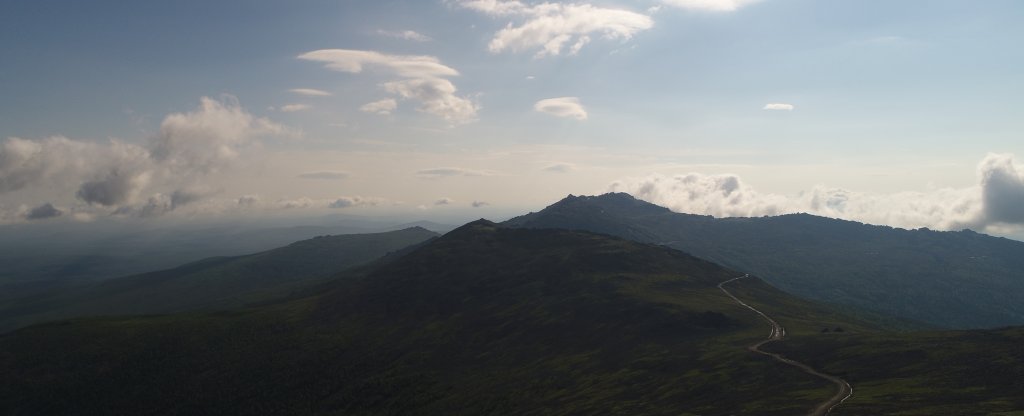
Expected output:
(213, 283)
(484, 320)
(946, 279)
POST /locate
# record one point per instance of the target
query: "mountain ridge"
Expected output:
(956, 279)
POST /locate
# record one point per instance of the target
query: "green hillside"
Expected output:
(484, 320)
(214, 283)
(945, 279)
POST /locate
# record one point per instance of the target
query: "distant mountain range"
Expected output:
(946, 279)
(213, 283)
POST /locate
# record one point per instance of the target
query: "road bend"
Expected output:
(844, 390)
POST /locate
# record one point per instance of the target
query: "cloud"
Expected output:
(297, 203)
(423, 79)
(710, 5)
(480, 204)
(310, 92)
(728, 196)
(447, 172)
(381, 107)
(549, 27)
(43, 212)
(248, 201)
(117, 187)
(1002, 185)
(405, 66)
(354, 201)
(160, 204)
(562, 107)
(188, 147)
(444, 201)
(206, 139)
(291, 108)
(560, 168)
(436, 96)
(324, 174)
(778, 107)
(406, 35)
(996, 201)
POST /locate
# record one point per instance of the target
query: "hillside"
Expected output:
(946, 279)
(483, 320)
(214, 283)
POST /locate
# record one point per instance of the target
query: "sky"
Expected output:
(904, 113)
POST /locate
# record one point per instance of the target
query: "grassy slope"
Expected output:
(214, 283)
(945, 279)
(977, 372)
(483, 320)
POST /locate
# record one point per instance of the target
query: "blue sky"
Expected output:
(901, 113)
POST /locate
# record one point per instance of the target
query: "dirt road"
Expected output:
(844, 390)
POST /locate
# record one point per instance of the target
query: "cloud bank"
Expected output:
(997, 200)
(188, 148)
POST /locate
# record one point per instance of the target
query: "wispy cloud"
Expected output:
(291, 108)
(406, 35)
(424, 79)
(550, 28)
(382, 107)
(560, 168)
(710, 5)
(310, 92)
(568, 107)
(324, 174)
(449, 172)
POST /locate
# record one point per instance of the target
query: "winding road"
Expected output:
(778, 333)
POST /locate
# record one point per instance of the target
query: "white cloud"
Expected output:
(995, 202)
(291, 108)
(710, 5)
(405, 34)
(188, 147)
(779, 107)
(436, 96)
(310, 92)
(1002, 185)
(447, 172)
(423, 79)
(382, 107)
(406, 66)
(562, 107)
(324, 174)
(549, 27)
(206, 139)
